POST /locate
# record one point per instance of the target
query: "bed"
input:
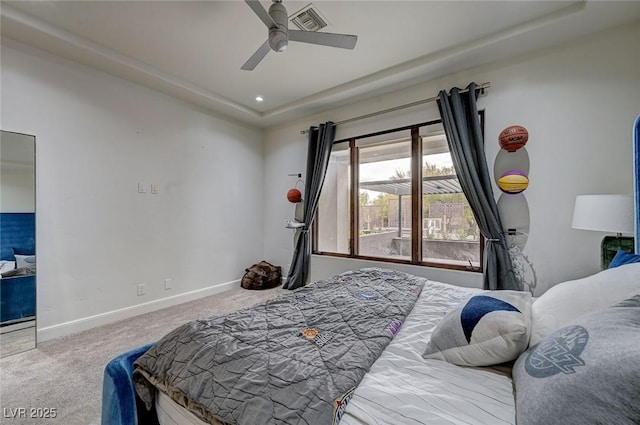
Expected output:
(17, 298)
(17, 267)
(419, 374)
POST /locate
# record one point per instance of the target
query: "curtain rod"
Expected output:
(480, 87)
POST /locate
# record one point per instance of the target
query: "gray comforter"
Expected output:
(294, 359)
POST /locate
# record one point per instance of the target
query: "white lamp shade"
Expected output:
(604, 213)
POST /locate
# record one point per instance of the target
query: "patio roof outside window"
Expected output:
(434, 185)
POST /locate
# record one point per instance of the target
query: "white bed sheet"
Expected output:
(7, 266)
(403, 388)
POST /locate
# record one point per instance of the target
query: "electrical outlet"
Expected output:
(140, 289)
(168, 284)
(154, 188)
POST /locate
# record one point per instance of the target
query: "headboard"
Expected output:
(17, 230)
(636, 180)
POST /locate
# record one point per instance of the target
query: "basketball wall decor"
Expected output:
(513, 181)
(294, 196)
(513, 138)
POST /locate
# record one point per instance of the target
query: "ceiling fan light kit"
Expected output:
(277, 21)
(278, 34)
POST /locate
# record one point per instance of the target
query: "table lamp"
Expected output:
(606, 213)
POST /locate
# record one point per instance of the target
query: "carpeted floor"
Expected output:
(65, 374)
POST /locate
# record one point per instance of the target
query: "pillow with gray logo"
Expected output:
(585, 373)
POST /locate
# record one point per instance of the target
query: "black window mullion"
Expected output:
(354, 209)
(416, 196)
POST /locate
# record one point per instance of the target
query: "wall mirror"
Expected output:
(17, 243)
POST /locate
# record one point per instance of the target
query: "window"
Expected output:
(394, 196)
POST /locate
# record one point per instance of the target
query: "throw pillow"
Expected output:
(623, 257)
(23, 251)
(584, 373)
(25, 261)
(569, 300)
(486, 329)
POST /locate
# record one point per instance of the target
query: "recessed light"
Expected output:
(259, 98)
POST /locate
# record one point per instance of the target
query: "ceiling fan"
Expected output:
(279, 33)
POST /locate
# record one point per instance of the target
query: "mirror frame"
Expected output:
(636, 181)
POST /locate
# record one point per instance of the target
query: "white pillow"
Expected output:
(489, 328)
(569, 300)
(6, 266)
(25, 261)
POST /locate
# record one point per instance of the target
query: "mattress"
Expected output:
(403, 388)
(171, 413)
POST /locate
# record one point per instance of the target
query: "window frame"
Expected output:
(416, 204)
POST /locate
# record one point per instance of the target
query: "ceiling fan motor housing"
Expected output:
(279, 35)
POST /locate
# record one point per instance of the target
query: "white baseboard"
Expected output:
(78, 325)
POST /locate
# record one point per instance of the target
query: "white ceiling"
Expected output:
(194, 49)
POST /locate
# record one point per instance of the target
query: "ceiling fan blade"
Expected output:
(343, 41)
(255, 59)
(261, 12)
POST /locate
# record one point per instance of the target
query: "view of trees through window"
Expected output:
(384, 227)
(447, 216)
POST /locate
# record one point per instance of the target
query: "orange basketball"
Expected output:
(513, 138)
(294, 196)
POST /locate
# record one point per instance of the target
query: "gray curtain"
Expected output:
(320, 144)
(459, 114)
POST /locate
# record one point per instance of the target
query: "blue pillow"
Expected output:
(623, 257)
(24, 251)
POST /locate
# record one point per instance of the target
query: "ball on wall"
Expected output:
(294, 196)
(513, 181)
(513, 138)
